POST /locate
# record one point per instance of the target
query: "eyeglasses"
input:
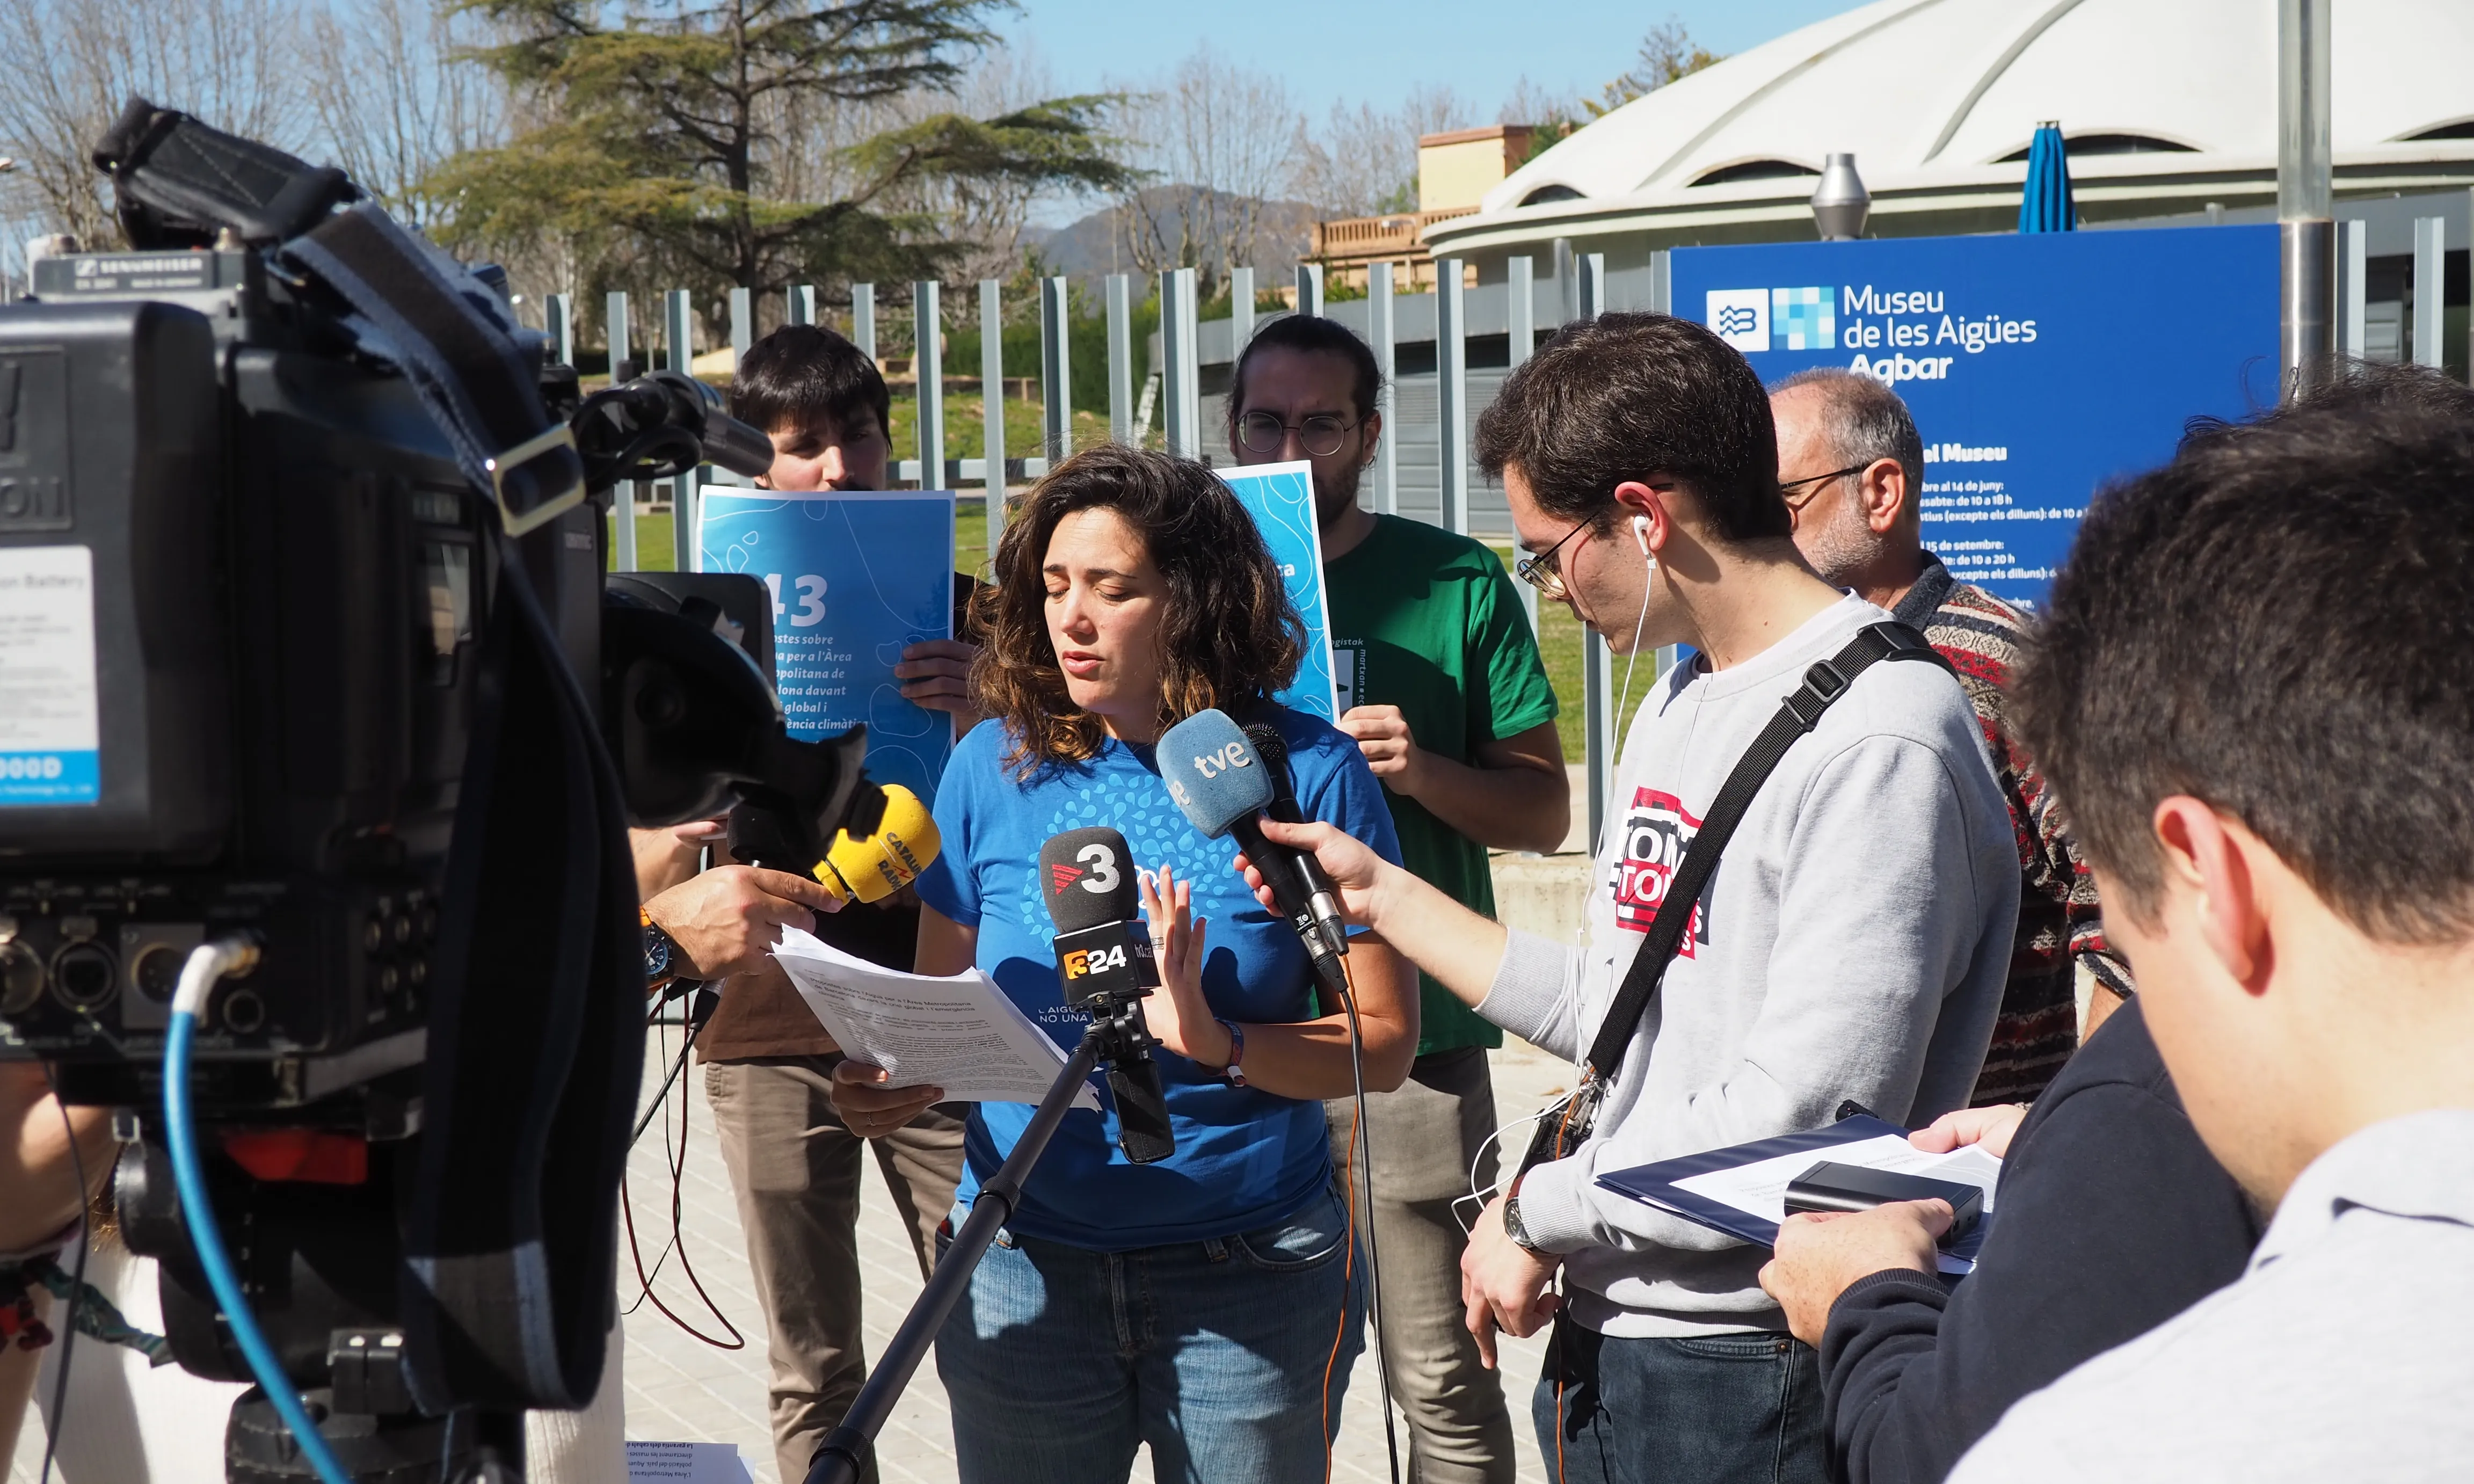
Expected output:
(1787, 489)
(1321, 435)
(1544, 570)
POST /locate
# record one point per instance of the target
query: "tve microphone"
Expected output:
(1223, 786)
(880, 852)
(1104, 956)
(1320, 895)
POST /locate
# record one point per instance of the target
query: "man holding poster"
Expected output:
(1438, 680)
(855, 575)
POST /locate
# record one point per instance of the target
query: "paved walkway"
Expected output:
(681, 1390)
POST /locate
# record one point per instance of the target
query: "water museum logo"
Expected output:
(1775, 319)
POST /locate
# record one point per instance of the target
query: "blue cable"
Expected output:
(199, 1213)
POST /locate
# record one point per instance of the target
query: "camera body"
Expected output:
(242, 586)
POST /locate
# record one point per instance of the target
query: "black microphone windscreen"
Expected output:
(1087, 877)
(1274, 750)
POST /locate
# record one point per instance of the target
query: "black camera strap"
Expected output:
(1824, 683)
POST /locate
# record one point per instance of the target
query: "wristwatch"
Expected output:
(1513, 1228)
(663, 961)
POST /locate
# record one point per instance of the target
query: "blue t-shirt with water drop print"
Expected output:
(1244, 1158)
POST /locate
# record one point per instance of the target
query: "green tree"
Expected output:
(756, 143)
(1667, 53)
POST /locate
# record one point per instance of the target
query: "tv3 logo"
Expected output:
(1097, 872)
(811, 599)
(1080, 962)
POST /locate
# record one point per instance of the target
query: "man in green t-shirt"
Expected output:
(1440, 684)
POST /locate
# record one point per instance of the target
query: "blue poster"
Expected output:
(1280, 498)
(2038, 366)
(856, 578)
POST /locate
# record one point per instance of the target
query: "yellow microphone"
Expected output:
(872, 867)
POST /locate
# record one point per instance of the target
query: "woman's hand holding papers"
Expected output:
(1819, 1255)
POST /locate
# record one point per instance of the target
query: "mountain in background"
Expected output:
(1092, 247)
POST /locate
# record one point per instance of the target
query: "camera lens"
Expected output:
(21, 979)
(156, 973)
(82, 976)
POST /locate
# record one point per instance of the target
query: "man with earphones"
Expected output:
(1851, 945)
(1441, 685)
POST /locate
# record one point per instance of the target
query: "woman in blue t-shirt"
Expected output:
(1205, 1305)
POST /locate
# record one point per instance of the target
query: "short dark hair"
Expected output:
(1231, 637)
(2278, 622)
(1866, 421)
(1625, 397)
(1309, 334)
(801, 373)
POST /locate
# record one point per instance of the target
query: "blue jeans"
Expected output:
(1059, 1360)
(1711, 1409)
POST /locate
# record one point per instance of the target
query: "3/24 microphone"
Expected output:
(1223, 785)
(878, 853)
(1104, 956)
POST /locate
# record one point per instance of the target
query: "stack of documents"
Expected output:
(1742, 1191)
(960, 1033)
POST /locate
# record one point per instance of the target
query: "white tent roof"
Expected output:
(1931, 94)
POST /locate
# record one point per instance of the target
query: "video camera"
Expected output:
(305, 645)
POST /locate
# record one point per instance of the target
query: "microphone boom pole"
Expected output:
(846, 1448)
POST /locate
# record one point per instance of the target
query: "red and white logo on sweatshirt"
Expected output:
(1656, 834)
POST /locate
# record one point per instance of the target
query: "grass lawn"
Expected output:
(1559, 638)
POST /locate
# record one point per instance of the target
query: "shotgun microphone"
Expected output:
(1221, 784)
(1104, 956)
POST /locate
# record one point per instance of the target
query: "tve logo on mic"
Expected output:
(1209, 768)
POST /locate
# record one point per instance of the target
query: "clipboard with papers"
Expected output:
(1741, 1190)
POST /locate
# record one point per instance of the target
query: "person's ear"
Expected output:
(1373, 425)
(2207, 857)
(1883, 488)
(1639, 500)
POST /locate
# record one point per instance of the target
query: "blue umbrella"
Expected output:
(2046, 204)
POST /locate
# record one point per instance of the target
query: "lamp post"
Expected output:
(1840, 203)
(2305, 206)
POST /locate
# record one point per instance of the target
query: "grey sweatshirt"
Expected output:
(1853, 943)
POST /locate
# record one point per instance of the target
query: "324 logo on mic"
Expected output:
(1079, 962)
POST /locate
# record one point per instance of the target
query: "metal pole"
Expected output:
(802, 307)
(623, 499)
(928, 360)
(1521, 301)
(845, 1449)
(1590, 277)
(1056, 382)
(1121, 358)
(1597, 672)
(743, 335)
(1241, 313)
(2429, 288)
(1567, 286)
(1178, 334)
(679, 322)
(992, 432)
(1451, 396)
(559, 315)
(1310, 289)
(864, 319)
(2306, 233)
(2353, 268)
(1378, 334)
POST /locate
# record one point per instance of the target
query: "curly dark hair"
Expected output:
(1230, 637)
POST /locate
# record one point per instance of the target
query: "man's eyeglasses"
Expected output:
(1544, 570)
(1811, 485)
(1320, 435)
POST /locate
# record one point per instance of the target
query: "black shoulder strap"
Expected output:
(1824, 683)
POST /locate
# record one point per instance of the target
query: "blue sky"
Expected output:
(1376, 53)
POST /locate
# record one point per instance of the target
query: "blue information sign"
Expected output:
(1280, 498)
(2038, 366)
(856, 578)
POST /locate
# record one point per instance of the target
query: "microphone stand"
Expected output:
(846, 1448)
